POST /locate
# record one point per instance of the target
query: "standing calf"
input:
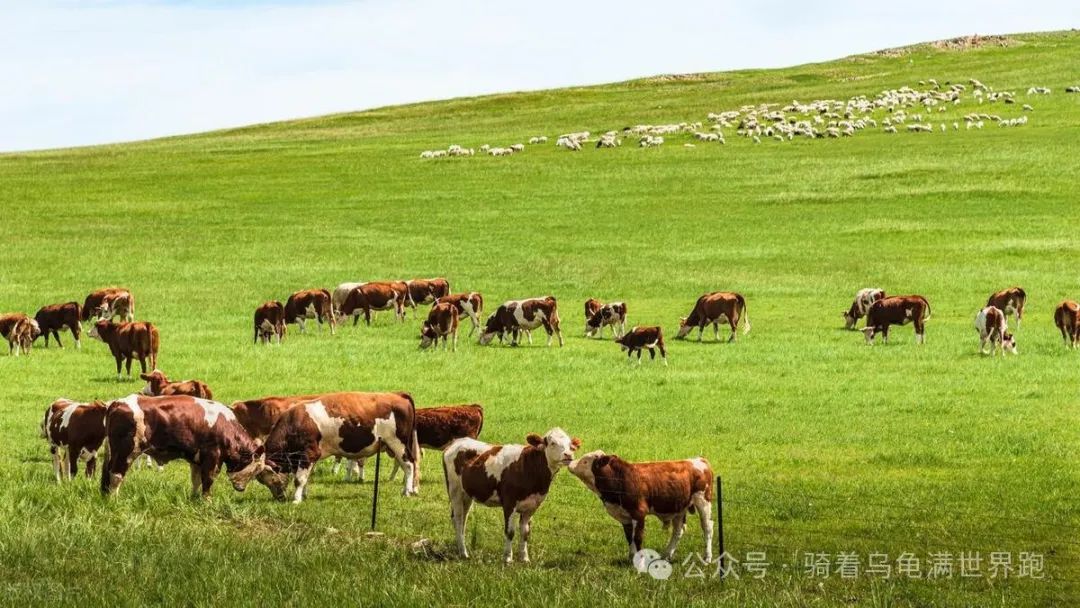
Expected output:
(639, 338)
(51, 319)
(442, 323)
(158, 384)
(897, 310)
(20, 332)
(864, 298)
(613, 314)
(109, 303)
(468, 304)
(75, 431)
(127, 341)
(992, 328)
(269, 322)
(715, 308)
(1067, 319)
(310, 304)
(1010, 300)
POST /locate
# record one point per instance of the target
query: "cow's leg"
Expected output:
(460, 503)
(57, 459)
(525, 529)
(142, 364)
(73, 462)
(733, 322)
(196, 480)
(211, 466)
(920, 334)
(663, 353)
(121, 453)
(704, 509)
(528, 334)
(76, 334)
(508, 534)
(91, 465)
(367, 317)
(119, 366)
(300, 481)
(628, 531)
(454, 333)
(716, 331)
(127, 363)
(885, 334)
(302, 322)
(700, 331)
(982, 344)
(678, 525)
(639, 531)
(355, 468)
(639, 356)
(629, 355)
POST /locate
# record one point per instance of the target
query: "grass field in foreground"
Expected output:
(825, 445)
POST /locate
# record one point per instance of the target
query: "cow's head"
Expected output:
(428, 335)
(491, 329)
(558, 447)
(252, 470)
(99, 330)
(155, 381)
(849, 319)
(273, 478)
(1008, 343)
(869, 332)
(684, 328)
(582, 468)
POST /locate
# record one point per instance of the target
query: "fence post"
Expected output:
(375, 491)
(720, 521)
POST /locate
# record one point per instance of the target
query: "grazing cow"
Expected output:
(340, 293)
(1067, 319)
(351, 425)
(640, 338)
(20, 331)
(613, 314)
(51, 319)
(426, 291)
(515, 316)
(377, 295)
(514, 477)
(715, 308)
(864, 298)
(897, 310)
(592, 306)
(442, 323)
(310, 304)
(258, 416)
(158, 384)
(204, 433)
(468, 304)
(992, 328)
(269, 322)
(666, 489)
(109, 303)
(1010, 300)
(75, 431)
(127, 341)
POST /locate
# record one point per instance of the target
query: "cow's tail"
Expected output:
(926, 315)
(479, 304)
(155, 343)
(479, 427)
(412, 445)
(745, 315)
(45, 423)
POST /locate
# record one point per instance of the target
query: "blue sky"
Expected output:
(97, 71)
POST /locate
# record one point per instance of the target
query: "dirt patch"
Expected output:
(678, 78)
(960, 43)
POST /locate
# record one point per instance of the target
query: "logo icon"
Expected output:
(650, 561)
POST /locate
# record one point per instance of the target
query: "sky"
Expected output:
(78, 72)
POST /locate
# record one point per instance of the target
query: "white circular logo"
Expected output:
(650, 561)
(660, 569)
(643, 558)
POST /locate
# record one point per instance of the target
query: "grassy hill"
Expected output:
(825, 446)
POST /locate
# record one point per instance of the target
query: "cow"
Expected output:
(351, 425)
(715, 308)
(861, 304)
(426, 291)
(340, 293)
(20, 331)
(109, 303)
(204, 433)
(993, 329)
(75, 431)
(1067, 319)
(613, 314)
(127, 341)
(469, 304)
(515, 316)
(442, 323)
(1010, 300)
(897, 310)
(638, 338)
(592, 306)
(376, 295)
(158, 384)
(55, 317)
(514, 477)
(310, 304)
(269, 322)
(667, 489)
(258, 416)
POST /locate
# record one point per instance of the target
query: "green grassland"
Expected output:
(825, 445)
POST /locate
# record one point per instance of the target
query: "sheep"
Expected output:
(518, 147)
(1073, 89)
(890, 129)
(650, 141)
(500, 151)
(427, 154)
(484, 148)
(539, 139)
(1027, 108)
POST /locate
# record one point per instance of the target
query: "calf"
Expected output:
(109, 303)
(204, 433)
(128, 341)
(864, 298)
(310, 304)
(715, 308)
(351, 425)
(1010, 300)
(75, 431)
(269, 322)
(639, 338)
(992, 328)
(515, 316)
(340, 293)
(378, 295)
(442, 323)
(20, 331)
(426, 291)
(468, 304)
(666, 489)
(1067, 319)
(51, 319)
(258, 416)
(613, 314)
(514, 477)
(158, 384)
(897, 310)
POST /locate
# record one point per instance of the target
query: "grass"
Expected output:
(824, 445)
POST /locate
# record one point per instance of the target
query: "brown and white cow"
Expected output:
(515, 316)
(514, 477)
(374, 296)
(715, 308)
(127, 341)
(426, 291)
(638, 338)
(441, 324)
(469, 304)
(351, 425)
(1067, 320)
(20, 331)
(310, 304)
(258, 416)
(158, 384)
(337, 298)
(204, 433)
(667, 489)
(109, 303)
(269, 322)
(55, 317)
(75, 431)
(864, 298)
(613, 314)
(993, 329)
(897, 310)
(1010, 301)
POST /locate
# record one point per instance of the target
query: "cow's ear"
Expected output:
(534, 440)
(575, 443)
(145, 376)
(602, 461)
